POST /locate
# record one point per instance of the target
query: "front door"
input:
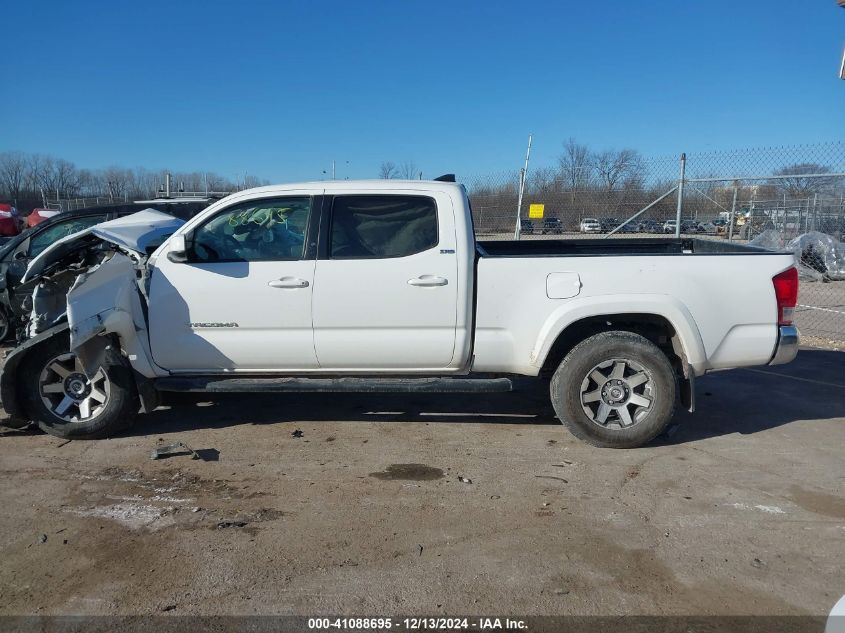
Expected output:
(242, 301)
(386, 284)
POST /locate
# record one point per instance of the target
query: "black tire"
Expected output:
(115, 414)
(574, 382)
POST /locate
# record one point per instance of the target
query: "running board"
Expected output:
(216, 384)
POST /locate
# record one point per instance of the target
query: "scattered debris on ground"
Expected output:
(566, 481)
(409, 472)
(173, 450)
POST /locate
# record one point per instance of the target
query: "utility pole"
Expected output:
(680, 195)
(733, 214)
(522, 175)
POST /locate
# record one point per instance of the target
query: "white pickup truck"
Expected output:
(380, 286)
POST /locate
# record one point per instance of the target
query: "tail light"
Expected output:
(786, 293)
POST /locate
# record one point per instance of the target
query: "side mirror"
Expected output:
(19, 255)
(178, 251)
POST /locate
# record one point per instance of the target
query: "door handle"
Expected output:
(428, 281)
(288, 282)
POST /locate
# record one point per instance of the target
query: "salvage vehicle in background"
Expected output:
(19, 251)
(9, 222)
(380, 286)
(37, 216)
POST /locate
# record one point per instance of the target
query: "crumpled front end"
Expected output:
(105, 301)
(92, 286)
(96, 280)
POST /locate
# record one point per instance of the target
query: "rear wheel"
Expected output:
(64, 402)
(615, 390)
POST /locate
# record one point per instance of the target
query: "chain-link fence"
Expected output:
(776, 195)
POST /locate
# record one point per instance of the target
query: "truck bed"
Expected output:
(614, 247)
(529, 289)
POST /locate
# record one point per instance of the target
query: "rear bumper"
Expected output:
(787, 345)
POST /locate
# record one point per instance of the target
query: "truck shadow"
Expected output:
(527, 404)
(749, 401)
(744, 401)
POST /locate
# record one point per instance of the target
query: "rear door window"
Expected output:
(382, 226)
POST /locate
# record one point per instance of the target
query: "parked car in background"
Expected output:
(552, 226)
(37, 216)
(526, 227)
(590, 225)
(690, 226)
(669, 226)
(707, 227)
(9, 222)
(608, 224)
(629, 227)
(650, 226)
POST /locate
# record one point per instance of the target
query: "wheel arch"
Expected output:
(10, 396)
(10, 387)
(663, 320)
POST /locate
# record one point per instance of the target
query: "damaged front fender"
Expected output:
(107, 300)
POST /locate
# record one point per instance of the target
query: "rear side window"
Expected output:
(378, 227)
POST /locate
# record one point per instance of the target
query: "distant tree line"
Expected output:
(617, 183)
(407, 170)
(23, 178)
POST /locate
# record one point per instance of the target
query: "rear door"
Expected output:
(385, 285)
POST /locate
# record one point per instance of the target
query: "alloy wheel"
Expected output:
(68, 393)
(617, 393)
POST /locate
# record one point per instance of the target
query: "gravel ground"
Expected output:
(821, 311)
(392, 504)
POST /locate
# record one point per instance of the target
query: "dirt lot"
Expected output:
(821, 311)
(740, 510)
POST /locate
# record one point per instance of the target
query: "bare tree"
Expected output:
(116, 182)
(618, 169)
(575, 165)
(54, 175)
(408, 170)
(543, 181)
(13, 174)
(387, 170)
(801, 185)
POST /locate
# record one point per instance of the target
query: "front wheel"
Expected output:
(615, 390)
(64, 402)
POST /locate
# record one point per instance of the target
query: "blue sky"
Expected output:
(279, 89)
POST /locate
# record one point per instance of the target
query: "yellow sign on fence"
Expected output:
(536, 210)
